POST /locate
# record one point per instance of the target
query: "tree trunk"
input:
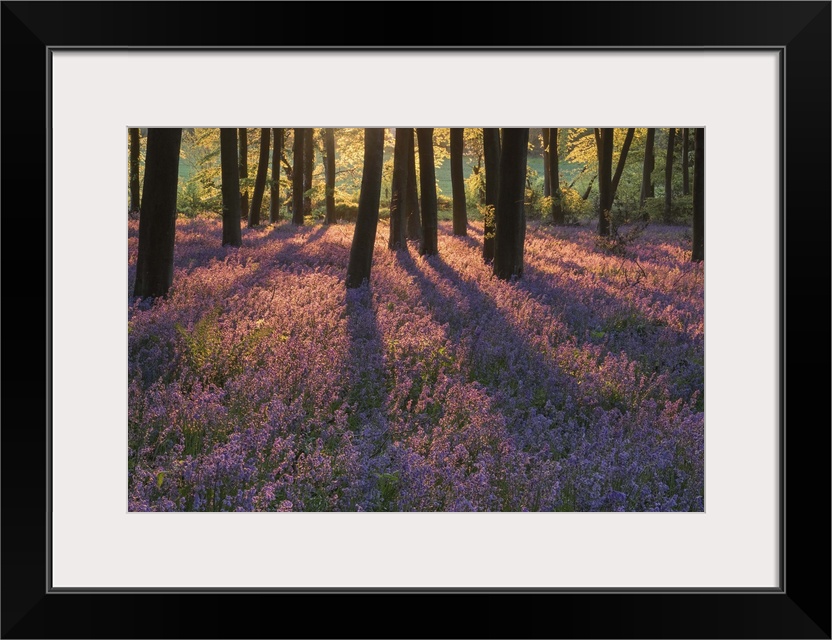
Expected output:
(244, 171)
(308, 169)
(554, 178)
(547, 162)
(647, 171)
(460, 216)
(427, 182)
(509, 217)
(274, 201)
(297, 177)
(230, 188)
(603, 141)
(134, 170)
(622, 158)
(414, 220)
(398, 197)
(685, 151)
(668, 174)
(364, 238)
(698, 253)
(157, 224)
(491, 152)
(329, 170)
(260, 180)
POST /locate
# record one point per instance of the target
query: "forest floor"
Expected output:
(262, 384)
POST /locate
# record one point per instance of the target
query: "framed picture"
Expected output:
(754, 75)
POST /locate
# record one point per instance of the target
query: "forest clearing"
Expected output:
(562, 372)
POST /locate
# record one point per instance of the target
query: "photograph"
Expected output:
(408, 319)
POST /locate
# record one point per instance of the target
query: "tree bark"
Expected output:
(427, 182)
(622, 158)
(554, 178)
(414, 219)
(460, 216)
(509, 217)
(491, 153)
(260, 179)
(547, 162)
(157, 224)
(274, 201)
(685, 151)
(297, 177)
(647, 171)
(329, 170)
(398, 197)
(604, 143)
(363, 241)
(135, 150)
(230, 169)
(308, 168)
(243, 136)
(698, 253)
(668, 174)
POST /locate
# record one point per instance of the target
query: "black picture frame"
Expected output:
(799, 608)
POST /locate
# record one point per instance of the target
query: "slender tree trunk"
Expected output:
(668, 174)
(460, 216)
(157, 224)
(491, 152)
(134, 170)
(414, 218)
(398, 197)
(647, 171)
(509, 217)
(274, 201)
(260, 180)
(297, 177)
(622, 158)
(685, 151)
(230, 169)
(547, 163)
(244, 171)
(363, 241)
(308, 168)
(698, 253)
(427, 182)
(604, 144)
(554, 178)
(329, 170)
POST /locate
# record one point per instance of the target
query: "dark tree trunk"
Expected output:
(157, 224)
(698, 253)
(509, 217)
(244, 171)
(647, 171)
(297, 176)
(260, 180)
(308, 168)
(230, 188)
(364, 238)
(427, 182)
(274, 201)
(491, 152)
(603, 141)
(554, 178)
(460, 216)
(547, 163)
(685, 151)
(329, 170)
(414, 219)
(622, 158)
(134, 170)
(668, 174)
(398, 197)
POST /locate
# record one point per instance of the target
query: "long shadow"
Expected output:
(510, 364)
